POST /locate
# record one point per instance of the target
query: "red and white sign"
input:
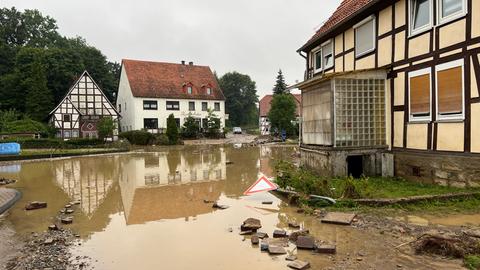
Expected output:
(262, 185)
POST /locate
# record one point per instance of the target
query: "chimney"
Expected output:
(190, 63)
(183, 62)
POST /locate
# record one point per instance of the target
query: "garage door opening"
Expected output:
(355, 166)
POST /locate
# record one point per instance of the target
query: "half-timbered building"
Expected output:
(81, 109)
(391, 87)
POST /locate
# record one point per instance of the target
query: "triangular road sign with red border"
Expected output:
(261, 185)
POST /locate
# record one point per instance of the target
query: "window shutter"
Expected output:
(420, 95)
(450, 91)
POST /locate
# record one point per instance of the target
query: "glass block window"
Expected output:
(360, 112)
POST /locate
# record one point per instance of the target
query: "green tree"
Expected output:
(25, 35)
(29, 28)
(280, 85)
(241, 98)
(282, 114)
(105, 127)
(172, 130)
(190, 127)
(39, 101)
(213, 124)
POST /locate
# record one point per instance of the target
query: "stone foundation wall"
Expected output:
(332, 162)
(438, 168)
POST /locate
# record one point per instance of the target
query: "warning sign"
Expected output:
(262, 185)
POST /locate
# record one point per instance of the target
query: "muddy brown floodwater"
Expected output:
(146, 210)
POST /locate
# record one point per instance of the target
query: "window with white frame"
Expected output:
(327, 55)
(451, 9)
(421, 15)
(209, 91)
(189, 90)
(365, 36)
(450, 91)
(420, 95)
(323, 57)
(317, 59)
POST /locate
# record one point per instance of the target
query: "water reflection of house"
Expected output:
(86, 180)
(173, 184)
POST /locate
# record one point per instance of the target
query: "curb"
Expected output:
(10, 203)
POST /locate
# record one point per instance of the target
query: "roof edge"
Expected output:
(340, 24)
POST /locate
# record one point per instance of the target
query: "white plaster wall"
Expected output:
(133, 113)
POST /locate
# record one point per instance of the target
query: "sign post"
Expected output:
(261, 185)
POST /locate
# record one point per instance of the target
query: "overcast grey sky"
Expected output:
(254, 37)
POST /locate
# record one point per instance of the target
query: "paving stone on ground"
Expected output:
(300, 265)
(7, 198)
(339, 218)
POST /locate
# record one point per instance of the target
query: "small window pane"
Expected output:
(450, 7)
(420, 13)
(150, 123)
(420, 95)
(204, 106)
(365, 38)
(450, 87)
(189, 90)
(217, 106)
(191, 106)
(318, 60)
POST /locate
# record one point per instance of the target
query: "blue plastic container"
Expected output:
(9, 149)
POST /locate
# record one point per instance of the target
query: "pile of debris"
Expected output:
(264, 139)
(458, 245)
(48, 250)
(4, 181)
(280, 241)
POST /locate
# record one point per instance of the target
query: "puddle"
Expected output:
(146, 211)
(444, 220)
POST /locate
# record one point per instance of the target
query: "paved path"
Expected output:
(8, 197)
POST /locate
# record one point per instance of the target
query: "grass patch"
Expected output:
(305, 182)
(34, 152)
(472, 262)
(348, 189)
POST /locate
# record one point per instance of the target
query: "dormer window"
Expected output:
(189, 90)
(209, 91)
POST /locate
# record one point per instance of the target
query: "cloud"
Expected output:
(255, 37)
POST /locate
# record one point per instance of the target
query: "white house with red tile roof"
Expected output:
(265, 106)
(149, 92)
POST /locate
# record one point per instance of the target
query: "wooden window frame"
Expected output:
(445, 66)
(190, 108)
(419, 119)
(414, 32)
(150, 105)
(314, 60)
(374, 36)
(442, 20)
(175, 105)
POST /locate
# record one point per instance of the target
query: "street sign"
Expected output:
(262, 185)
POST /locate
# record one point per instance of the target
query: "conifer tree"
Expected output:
(280, 85)
(39, 100)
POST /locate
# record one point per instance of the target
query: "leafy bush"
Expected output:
(190, 128)
(26, 126)
(105, 127)
(84, 142)
(303, 181)
(161, 139)
(472, 262)
(138, 137)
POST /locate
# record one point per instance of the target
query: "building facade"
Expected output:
(264, 108)
(81, 109)
(391, 87)
(150, 91)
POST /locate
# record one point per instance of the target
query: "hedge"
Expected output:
(30, 143)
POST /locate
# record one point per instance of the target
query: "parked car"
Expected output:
(237, 130)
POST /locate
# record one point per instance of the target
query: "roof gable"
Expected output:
(346, 10)
(265, 104)
(75, 89)
(168, 80)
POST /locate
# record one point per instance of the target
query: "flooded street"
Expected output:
(146, 210)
